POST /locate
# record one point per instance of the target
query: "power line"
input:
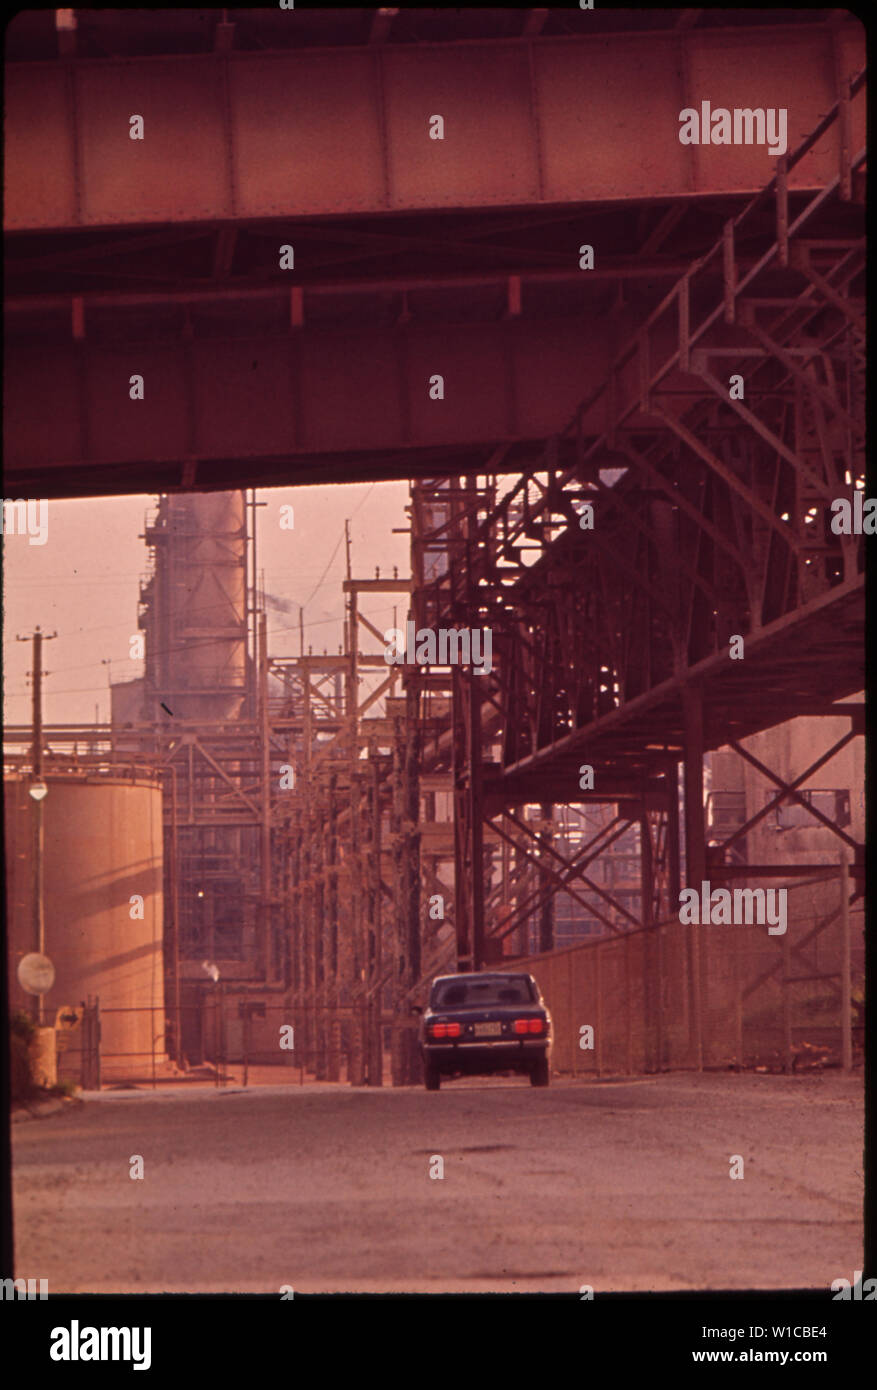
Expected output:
(359, 504)
(325, 571)
(199, 642)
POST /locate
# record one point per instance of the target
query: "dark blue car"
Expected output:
(485, 1022)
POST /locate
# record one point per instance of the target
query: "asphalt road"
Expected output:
(619, 1185)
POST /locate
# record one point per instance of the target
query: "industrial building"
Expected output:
(625, 377)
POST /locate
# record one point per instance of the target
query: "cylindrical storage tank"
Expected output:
(103, 907)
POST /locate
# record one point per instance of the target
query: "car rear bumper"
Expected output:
(486, 1056)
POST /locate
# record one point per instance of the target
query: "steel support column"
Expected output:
(546, 891)
(375, 932)
(468, 824)
(334, 1061)
(695, 859)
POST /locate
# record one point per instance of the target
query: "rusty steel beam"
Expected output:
(234, 135)
(239, 292)
(348, 391)
(267, 400)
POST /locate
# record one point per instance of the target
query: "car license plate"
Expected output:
(487, 1030)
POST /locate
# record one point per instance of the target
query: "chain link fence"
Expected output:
(729, 995)
(741, 994)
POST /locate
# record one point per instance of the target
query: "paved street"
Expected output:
(621, 1185)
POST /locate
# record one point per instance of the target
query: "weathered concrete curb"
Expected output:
(41, 1108)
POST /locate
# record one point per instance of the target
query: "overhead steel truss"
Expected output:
(674, 583)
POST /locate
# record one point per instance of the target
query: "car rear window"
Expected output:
(471, 994)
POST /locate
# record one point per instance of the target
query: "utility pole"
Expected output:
(265, 913)
(38, 791)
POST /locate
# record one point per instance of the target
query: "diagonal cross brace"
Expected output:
(569, 864)
(788, 788)
(595, 887)
(730, 477)
(766, 434)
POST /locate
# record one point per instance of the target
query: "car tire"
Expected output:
(431, 1077)
(540, 1074)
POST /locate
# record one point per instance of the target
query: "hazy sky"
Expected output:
(83, 583)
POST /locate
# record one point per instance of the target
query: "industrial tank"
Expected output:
(102, 856)
(194, 606)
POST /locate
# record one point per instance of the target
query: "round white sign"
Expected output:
(36, 973)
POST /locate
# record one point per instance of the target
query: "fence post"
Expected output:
(598, 990)
(787, 1004)
(572, 1013)
(738, 1006)
(216, 1017)
(661, 1038)
(629, 1001)
(846, 984)
(84, 1027)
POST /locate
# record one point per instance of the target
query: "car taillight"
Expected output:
(445, 1030)
(529, 1025)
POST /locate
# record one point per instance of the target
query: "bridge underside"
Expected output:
(411, 257)
(697, 396)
